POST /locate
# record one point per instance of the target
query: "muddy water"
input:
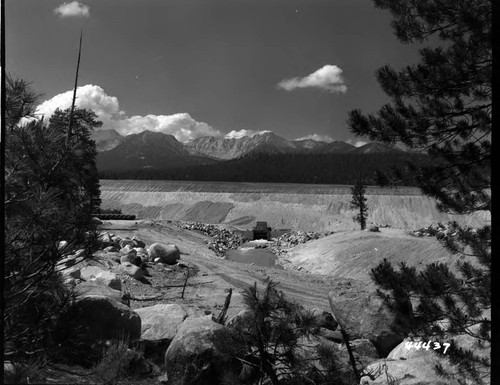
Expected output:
(247, 253)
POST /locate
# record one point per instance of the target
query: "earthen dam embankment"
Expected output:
(294, 206)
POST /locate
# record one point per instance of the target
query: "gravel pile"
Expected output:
(432, 231)
(280, 245)
(440, 231)
(222, 239)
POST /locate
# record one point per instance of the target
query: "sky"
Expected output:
(193, 68)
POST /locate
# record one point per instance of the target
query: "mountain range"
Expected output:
(158, 150)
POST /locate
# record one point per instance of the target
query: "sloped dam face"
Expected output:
(293, 206)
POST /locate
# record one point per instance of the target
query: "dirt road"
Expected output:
(207, 289)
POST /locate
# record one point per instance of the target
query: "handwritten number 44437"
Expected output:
(426, 345)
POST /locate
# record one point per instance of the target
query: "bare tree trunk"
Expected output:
(70, 126)
(221, 318)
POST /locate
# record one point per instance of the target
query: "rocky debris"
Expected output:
(126, 250)
(366, 316)
(88, 272)
(141, 251)
(107, 278)
(105, 239)
(111, 249)
(440, 231)
(94, 288)
(195, 355)
(103, 318)
(127, 242)
(159, 252)
(279, 245)
(128, 258)
(222, 239)
(131, 270)
(159, 327)
(138, 243)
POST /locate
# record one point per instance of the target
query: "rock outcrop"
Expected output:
(159, 327)
(366, 316)
(196, 355)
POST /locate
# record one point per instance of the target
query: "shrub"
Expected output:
(271, 343)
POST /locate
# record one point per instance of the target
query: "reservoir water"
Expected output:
(247, 253)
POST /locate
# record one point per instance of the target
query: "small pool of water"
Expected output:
(248, 254)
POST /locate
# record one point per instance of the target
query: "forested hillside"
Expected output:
(282, 168)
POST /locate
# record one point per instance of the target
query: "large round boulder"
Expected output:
(168, 254)
(198, 354)
(366, 316)
(102, 318)
(161, 321)
(159, 327)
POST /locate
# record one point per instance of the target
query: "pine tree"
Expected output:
(358, 202)
(269, 343)
(47, 199)
(442, 106)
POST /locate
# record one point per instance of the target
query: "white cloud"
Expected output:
(328, 78)
(318, 137)
(89, 96)
(73, 9)
(356, 143)
(181, 125)
(241, 133)
(107, 108)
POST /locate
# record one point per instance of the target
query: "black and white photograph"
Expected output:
(247, 192)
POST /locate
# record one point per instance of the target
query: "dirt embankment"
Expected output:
(298, 207)
(353, 254)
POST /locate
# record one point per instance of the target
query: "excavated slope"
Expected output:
(295, 206)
